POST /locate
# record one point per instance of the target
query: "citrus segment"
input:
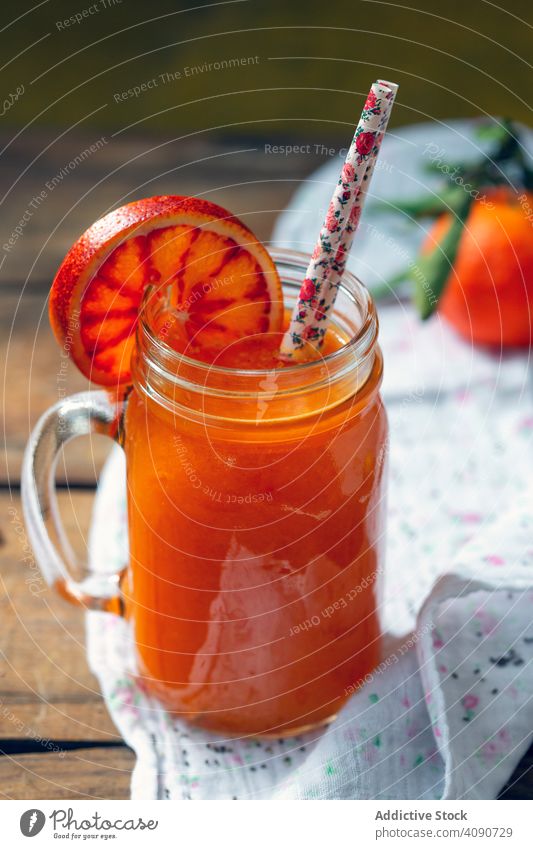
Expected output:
(222, 283)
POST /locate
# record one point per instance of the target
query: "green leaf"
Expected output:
(492, 131)
(424, 206)
(384, 290)
(432, 270)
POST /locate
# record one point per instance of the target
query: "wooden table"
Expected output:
(56, 738)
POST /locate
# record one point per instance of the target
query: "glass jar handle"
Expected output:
(77, 415)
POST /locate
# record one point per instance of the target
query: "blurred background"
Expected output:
(451, 59)
(158, 86)
(104, 101)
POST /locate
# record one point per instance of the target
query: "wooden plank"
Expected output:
(238, 174)
(94, 773)
(46, 688)
(47, 693)
(38, 723)
(35, 381)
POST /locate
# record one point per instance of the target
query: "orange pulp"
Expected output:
(256, 551)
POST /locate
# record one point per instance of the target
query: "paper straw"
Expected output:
(309, 321)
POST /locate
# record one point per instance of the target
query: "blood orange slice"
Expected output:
(223, 282)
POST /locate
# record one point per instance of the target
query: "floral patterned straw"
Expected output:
(309, 319)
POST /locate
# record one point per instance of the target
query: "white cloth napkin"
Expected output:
(449, 712)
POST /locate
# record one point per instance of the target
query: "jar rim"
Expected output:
(357, 348)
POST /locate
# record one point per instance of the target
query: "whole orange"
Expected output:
(488, 296)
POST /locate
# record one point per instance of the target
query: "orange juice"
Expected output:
(256, 521)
